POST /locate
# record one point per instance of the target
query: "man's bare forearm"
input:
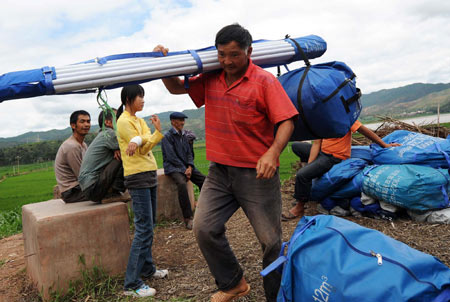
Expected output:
(283, 135)
(174, 85)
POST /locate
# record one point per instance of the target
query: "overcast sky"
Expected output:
(387, 43)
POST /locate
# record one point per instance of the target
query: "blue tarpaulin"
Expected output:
(45, 81)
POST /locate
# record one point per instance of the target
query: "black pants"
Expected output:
(111, 178)
(180, 180)
(305, 175)
(73, 195)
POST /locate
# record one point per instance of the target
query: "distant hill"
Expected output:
(408, 100)
(398, 102)
(195, 122)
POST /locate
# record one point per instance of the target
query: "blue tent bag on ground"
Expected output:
(332, 259)
(326, 98)
(363, 152)
(412, 187)
(416, 148)
(336, 177)
(350, 189)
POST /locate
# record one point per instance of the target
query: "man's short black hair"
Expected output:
(234, 32)
(75, 114)
(108, 117)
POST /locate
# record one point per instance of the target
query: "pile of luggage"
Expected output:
(379, 182)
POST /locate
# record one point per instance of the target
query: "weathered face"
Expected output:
(83, 125)
(233, 59)
(137, 104)
(178, 124)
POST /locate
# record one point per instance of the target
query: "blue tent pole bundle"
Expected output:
(123, 69)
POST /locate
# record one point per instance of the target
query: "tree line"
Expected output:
(33, 152)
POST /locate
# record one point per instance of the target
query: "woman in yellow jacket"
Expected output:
(136, 142)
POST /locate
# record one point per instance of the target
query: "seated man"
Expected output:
(69, 156)
(321, 156)
(178, 161)
(101, 170)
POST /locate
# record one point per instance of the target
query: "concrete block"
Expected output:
(57, 234)
(168, 207)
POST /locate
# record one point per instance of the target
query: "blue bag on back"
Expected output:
(332, 259)
(326, 98)
(412, 187)
(416, 148)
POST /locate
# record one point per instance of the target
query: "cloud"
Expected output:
(386, 43)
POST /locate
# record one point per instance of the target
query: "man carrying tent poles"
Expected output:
(243, 103)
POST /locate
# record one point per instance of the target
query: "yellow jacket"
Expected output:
(129, 126)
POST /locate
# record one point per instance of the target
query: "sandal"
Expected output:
(221, 296)
(288, 216)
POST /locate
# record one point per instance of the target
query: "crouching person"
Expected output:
(101, 172)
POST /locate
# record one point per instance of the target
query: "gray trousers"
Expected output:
(181, 180)
(224, 191)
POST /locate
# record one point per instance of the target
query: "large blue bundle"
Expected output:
(336, 177)
(131, 68)
(412, 187)
(363, 152)
(332, 259)
(350, 189)
(326, 98)
(416, 148)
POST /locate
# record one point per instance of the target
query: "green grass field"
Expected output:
(36, 181)
(287, 158)
(27, 188)
(6, 171)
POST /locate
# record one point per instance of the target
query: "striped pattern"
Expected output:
(240, 119)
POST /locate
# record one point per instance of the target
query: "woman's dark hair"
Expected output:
(234, 32)
(128, 94)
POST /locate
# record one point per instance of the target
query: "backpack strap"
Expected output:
(299, 103)
(299, 49)
(345, 82)
(282, 259)
(349, 101)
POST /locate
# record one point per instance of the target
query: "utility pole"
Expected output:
(18, 165)
(438, 115)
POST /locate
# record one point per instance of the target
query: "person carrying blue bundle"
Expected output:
(243, 104)
(321, 156)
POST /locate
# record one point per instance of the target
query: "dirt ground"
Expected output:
(175, 248)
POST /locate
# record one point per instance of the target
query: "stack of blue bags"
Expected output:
(378, 181)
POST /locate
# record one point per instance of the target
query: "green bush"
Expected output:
(10, 222)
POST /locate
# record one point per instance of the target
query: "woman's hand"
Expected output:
(131, 149)
(154, 119)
